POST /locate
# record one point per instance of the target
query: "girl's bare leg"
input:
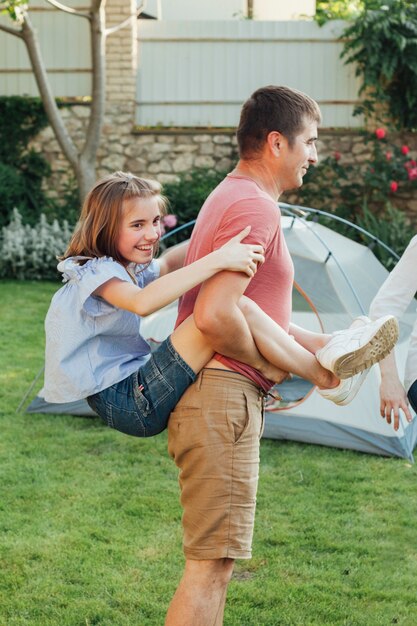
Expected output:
(191, 345)
(273, 343)
(280, 349)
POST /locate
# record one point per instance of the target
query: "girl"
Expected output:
(94, 349)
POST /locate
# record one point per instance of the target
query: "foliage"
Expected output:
(22, 169)
(15, 9)
(30, 251)
(22, 118)
(382, 43)
(187, 196)
(90, 518)
(337, 10)
(391, 228)
(364, 194)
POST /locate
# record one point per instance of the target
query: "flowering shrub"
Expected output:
(168, 221)
(29, 252)
(388, 171)
(364, 193)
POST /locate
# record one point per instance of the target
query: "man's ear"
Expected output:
(275, 141)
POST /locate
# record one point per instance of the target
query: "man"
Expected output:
(214, 431)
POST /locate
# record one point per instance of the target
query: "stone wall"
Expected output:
(165, 155)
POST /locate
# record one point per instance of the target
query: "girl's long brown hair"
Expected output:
(96, 232)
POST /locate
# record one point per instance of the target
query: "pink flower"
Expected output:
(169, 220)
(412, 173)
(380, 133)
(393, 186)
(405, 149)
(410, 164)
(337, 156)
(388, 156)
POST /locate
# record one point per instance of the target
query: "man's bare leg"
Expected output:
(201, 595)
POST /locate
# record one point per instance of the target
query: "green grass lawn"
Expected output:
(90, 521)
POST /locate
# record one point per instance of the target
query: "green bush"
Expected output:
(391, 227)
(381, 42)
(22, 170)
(187, 196)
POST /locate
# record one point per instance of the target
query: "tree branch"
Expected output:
(98, 57)
(11, 31)
(52, 111)
(63, 7)
(114, 29)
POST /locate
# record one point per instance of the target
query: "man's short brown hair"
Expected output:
(273, 108)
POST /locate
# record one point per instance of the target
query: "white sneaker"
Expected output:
(363, 344)
(346, 390)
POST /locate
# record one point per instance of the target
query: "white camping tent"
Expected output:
(336, 279)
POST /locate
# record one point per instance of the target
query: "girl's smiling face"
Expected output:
(140, 229)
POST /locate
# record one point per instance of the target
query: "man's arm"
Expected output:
(218, 316)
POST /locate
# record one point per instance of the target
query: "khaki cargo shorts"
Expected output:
(213, 437)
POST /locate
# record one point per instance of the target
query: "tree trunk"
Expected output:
(86, 177)
(83, 162)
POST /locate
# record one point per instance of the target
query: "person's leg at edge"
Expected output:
(412, 395)
(201, 595)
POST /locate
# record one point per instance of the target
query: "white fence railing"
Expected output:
(199, 73)
(65, 45)
(195, 73)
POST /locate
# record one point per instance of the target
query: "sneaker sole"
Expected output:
(377, 348)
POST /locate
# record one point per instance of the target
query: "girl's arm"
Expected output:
(173, 258)
(233, 256)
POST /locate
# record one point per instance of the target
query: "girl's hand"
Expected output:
(241, 257)
(393, 398)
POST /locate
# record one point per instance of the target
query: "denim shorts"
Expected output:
(140, 405)
(412, 395)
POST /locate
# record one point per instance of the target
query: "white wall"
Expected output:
(197, 9)
(283, 9)
(199, 73)
(229, 9)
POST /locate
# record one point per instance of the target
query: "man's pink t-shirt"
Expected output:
(238, 202)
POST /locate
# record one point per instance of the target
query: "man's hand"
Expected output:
(271, 372)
